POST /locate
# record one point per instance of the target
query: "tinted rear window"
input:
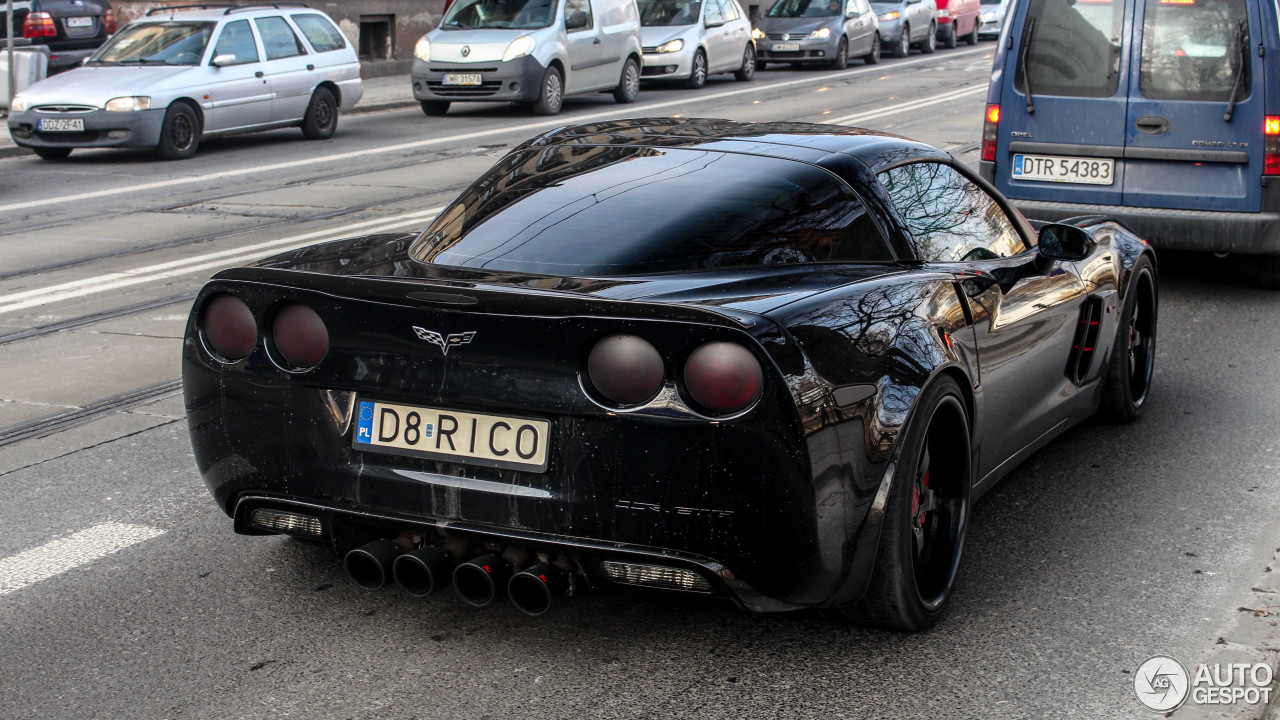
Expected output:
(1073, 48)
(606, 211)
(1195, 50)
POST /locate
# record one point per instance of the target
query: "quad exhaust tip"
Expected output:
(370, 565)
(534, 589)
(480, 580)
(423, 571)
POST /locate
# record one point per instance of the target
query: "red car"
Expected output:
(958, 19)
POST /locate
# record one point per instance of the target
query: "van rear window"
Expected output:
(1073, 48)
(1195, 50)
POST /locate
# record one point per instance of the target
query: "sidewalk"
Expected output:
(382, 93)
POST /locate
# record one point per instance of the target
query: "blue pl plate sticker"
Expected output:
(1017, 164)
(364, 425)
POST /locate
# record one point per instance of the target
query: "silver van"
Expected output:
(532, 51)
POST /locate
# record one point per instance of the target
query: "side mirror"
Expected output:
(1065, 242)
(576, 20)
(223, 60)
(712, 24)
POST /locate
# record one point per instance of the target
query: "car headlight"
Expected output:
(757, 33)
(19, 104)
(819, 34)
(128, 104)
(669, 47)
(891, 15)
(422, 50)
(519, 47)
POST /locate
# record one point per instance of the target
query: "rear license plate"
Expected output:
(462, 79)
(1052, 168)
(61, 125)
(785, 47)
(491, 440)
(79, 21)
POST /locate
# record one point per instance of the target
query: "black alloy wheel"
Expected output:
(628, 89)
(1132, 363)
(842, 55)
(698, 77)
(434, 108)
(873, 57)
(53, 153)
(180, 133)
(321, 120)
(930, 41)
(550, 93)
(903, 47)
(749, 65)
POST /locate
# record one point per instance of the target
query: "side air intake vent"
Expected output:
(1086, 341)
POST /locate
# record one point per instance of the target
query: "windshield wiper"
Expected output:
(1022, 63)
(1243, 43)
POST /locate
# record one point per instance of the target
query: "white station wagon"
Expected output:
(179, 75)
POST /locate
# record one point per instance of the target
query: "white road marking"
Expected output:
(207, 261)
(629, 111)
(913, 105)
(54, 558)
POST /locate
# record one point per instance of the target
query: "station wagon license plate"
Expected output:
(491, 440)
(785, 47)
(1056, 168)
(462, 79)
(79, 22)
(61, 125)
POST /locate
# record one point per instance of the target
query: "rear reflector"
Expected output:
(990, 126)
(299, 335)
(229, 328)
(289, 523)
(656, 576)
(1271, 145)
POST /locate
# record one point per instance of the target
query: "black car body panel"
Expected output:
(779, 506)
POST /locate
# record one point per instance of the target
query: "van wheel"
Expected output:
(550, 93)
(949, 38)
(903, 47)
(749, 65)
(972, 37)
(873, 57)
(698, 77)
(1268, 270)
(48, 153)
(321, 120)
(180, 133)
(930, 42)
(629, 84)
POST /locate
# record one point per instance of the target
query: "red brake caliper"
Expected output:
(915, 499)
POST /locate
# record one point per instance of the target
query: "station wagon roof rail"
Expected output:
(229, 8)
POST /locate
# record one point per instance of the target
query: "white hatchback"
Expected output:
(177, 76)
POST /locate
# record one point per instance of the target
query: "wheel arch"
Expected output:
(333, 88)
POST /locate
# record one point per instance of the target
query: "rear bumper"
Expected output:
(513, 81)
(1235, 232)
(101, 129)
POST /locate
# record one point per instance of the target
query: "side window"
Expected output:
(950, 218)
(1073, 48)
(320, 32)
(237, 39)
(714, 16)
(730, 9)
(1195, 51)
(278, 38)
(573, 6)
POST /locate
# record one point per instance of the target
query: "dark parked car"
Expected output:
(771, 362)
(72, 29)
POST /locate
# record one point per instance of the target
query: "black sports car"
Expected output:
(773, 362)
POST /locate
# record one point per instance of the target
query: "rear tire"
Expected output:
(902, 48)
(698, 76)
(925, 519)
(180, 133)
(842, 55)
(873, 57)
(48, 153)
(749, 65)
(321, 120)
(550, 93)
(1129, 371)
(949, 40)
(435, 108)
(628, 89)
(930, 41)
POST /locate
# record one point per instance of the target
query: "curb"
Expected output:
(8, 150)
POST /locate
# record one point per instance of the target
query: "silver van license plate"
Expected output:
(462, 79)
(1062, 169)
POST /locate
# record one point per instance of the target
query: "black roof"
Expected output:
(779, 139)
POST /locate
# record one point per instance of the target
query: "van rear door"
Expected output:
(1064, 96)
(1189, 59)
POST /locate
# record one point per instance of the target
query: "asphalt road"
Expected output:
(125, 594)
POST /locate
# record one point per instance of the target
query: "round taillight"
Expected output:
(723, 377)
(229, 327)
(625, 369)
(299, 335)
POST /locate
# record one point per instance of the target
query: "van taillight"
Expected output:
(1271, 145)
(989, 127)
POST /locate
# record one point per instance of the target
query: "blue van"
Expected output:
(1161, 113)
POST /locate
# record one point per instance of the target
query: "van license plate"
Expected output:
(61, 125)
(492, 440)
(462, 79)
(1057, 168)
(786, 47)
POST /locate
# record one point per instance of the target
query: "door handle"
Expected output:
(311, 67)
(258, 74)
(1153, 125)
(596, 41)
